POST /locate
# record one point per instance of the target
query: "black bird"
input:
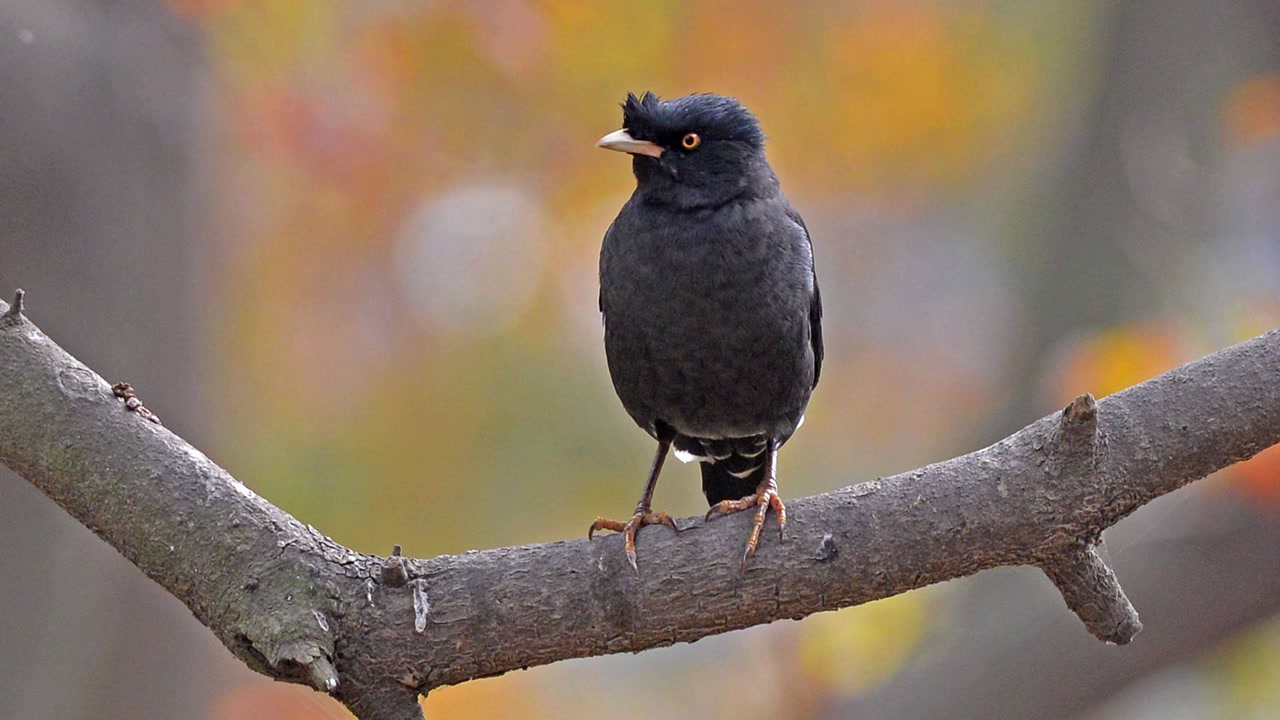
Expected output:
(712, 318)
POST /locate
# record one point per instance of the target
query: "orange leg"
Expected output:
(765, 497)
(644, 514)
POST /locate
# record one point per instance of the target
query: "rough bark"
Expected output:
(297, 606)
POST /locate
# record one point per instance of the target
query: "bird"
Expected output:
(712, 315)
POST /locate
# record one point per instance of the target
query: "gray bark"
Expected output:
(297, 606)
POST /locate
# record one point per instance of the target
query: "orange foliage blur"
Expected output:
(278, 701)
(1259, 477)
(1251, 113)
(1112, 359)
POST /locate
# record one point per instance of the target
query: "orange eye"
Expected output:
(690, 141)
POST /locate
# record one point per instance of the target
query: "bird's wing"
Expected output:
(600, 296)
(815, 302)
(815, 330)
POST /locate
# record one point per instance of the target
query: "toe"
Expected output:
(602, 523)
(663, 518)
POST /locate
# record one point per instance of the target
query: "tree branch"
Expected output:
(295, 605)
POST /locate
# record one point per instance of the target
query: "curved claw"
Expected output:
(631, 554)
(630, 528)
(762, 500)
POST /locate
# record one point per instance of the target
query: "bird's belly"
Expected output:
(713, 366)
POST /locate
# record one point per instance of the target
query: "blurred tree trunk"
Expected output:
(1107, 240)
(99, 120)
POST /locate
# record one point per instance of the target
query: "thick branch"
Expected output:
(287, 600)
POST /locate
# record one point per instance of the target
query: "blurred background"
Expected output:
(349, 250)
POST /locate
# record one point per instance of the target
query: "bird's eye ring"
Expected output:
(690, 141)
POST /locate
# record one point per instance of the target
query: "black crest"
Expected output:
(715, 117)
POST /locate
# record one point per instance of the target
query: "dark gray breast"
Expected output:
(707, 317)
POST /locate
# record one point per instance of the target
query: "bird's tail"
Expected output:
(720, 483)
(732, 468)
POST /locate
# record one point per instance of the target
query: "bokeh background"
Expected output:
(349, 248)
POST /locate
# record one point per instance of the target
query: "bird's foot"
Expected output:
(765, 497)
(630, 528)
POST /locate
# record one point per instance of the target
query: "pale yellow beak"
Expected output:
(622, 141)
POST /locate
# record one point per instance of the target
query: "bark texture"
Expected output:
(376, 631)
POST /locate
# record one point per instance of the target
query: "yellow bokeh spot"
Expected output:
(1248, 668)
(856, 649)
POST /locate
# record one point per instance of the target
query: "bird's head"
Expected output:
(694, 151)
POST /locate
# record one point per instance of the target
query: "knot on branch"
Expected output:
(15, 309)
(283, 626)
(1080, 418)
(321, 673)
(1088, 586)
(1073, 445)
(394, 572)
(1092, 592)
(306, 661)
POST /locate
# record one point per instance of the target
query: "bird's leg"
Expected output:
(644, 514)
(765, 497)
